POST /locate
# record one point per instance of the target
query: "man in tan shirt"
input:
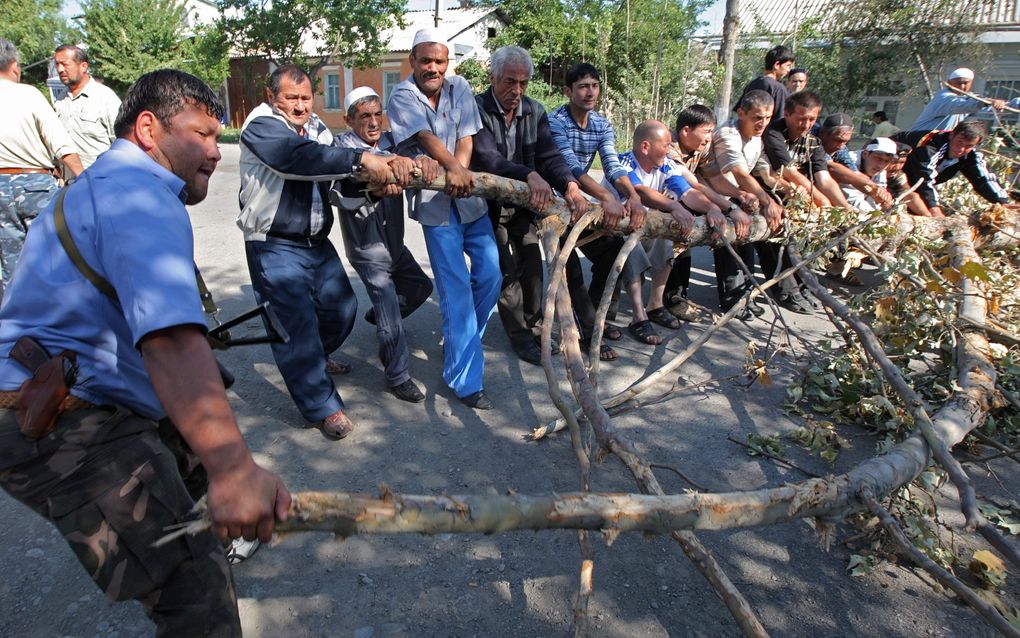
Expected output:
(89, 109)
(32, 144)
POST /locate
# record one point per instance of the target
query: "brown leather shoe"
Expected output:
(337, 425)
(337, 367)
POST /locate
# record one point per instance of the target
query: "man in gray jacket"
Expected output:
(287, 163)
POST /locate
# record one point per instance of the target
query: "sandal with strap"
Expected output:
(612, 333)
(644, 332)
(664, 318)
(606, 353)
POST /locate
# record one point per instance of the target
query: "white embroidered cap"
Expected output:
(429, 34)
(881, 145)
(963, 73)
(357, 94)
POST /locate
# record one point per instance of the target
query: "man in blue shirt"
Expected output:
(950, 106)
(438, 116)
(102, 474)
(580, 133)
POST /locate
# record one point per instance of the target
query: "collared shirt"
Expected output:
(666, 179)
(454, 118)
(511, 131)
(580, 145)
(805, 154)
(126, 216)
(730, 150)
(88, 118)
(31, 136)
(691, 160)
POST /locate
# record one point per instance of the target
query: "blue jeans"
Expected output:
(313, 298)
(465, 299)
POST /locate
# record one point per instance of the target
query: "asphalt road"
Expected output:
(511, 584)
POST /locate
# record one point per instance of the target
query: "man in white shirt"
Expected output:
(737, 156)
(89, 108)
(32, 143)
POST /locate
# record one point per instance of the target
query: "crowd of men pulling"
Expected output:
(113, 415)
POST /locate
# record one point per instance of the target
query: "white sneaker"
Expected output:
(241, 550)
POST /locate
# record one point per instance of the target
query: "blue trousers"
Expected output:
(313, 298)
(465, 298)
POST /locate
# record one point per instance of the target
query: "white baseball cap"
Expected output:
(357, 94)
(881, 145)
(429, 34)
(963, 73)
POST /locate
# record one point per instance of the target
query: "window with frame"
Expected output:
(390, 80)
(1002, 89)
(332, 92)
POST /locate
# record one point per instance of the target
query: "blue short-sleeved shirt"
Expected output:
(456, 117)
(126, 216)
(666, 179)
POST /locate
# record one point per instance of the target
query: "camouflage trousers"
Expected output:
(22, 198)
(111, 486)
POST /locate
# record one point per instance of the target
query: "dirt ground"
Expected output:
(518, 584)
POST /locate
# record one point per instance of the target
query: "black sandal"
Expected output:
(644, 332)
(664, 318)
(612, 333)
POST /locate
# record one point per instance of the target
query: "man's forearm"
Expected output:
(844, 175)
(624, 186)
(593, 188)
(73, 163)
(435, 149)
(186, 379)
(831, 189)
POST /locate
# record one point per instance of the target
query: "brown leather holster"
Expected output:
(41, 395)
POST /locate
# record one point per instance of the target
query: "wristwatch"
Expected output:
(356, 162)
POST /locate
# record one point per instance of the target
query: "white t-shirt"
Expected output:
(730, 151)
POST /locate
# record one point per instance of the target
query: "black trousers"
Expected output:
(601, 253)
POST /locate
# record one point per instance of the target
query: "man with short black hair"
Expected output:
(580, 134)
(88, 109)
(883, 127)
(737, 158)
(288, 161)
(515, 142)
(939, 156)
(778, 62)
(372, 224)
(32, 142)
(104, 473)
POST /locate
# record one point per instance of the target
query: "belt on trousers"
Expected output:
(9, 401)
(22, 170)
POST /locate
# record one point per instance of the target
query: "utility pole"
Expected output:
(727, 53)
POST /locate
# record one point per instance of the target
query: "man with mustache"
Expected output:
(104, 473)
(89, 108)
(373, 231)
(438, 116)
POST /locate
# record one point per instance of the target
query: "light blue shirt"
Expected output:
(947, 109)
(127, 218)
(455, 117)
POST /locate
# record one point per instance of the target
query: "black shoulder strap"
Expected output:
(60, 221)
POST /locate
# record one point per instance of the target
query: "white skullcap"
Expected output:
(881, 145)
(963, 73)
(429, 34)
(357, 94)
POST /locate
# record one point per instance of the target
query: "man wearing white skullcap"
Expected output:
(373, 232)
(950, 106)
(438, 115)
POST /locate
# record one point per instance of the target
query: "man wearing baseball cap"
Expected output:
(438, 116)
(949, 107)
(372, 224)
(870, 192)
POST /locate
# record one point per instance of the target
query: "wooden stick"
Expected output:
(775, 457)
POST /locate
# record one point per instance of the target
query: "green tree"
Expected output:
(127, 38)
(348, 30)
(35, 27)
